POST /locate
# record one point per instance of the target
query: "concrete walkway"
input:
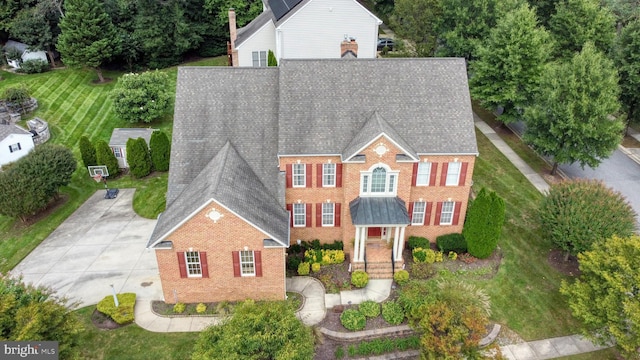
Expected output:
(549, 348)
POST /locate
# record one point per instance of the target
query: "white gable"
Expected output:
(262, 40)
(15, 146)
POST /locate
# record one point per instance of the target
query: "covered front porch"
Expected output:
(380, 224)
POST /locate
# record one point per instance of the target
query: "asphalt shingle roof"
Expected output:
(119, 136)
(6, 130)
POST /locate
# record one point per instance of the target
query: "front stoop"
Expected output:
(378, 270)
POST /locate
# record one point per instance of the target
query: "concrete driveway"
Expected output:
(101, 243)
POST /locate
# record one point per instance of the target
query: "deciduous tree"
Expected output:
(88, 38)
(142, 97)
(483, 224)
(575, 214)
(571, 119)
(577, 22)
(606, 297)
(38, 27)
(266, 330)
(160, 148)
(507, 72)
(418, 21)
(627, 58)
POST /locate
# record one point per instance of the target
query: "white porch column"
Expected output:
(363, 240)
(396, 241)
(356, 245)
(400, 244)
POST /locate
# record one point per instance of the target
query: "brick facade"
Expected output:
(219, 240)
(350, 190)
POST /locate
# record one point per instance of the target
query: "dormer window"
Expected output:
(379, 181)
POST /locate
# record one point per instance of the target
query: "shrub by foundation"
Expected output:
(123, 314)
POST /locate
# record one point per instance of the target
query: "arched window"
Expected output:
(378, 182)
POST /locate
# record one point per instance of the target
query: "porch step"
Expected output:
(378, 270)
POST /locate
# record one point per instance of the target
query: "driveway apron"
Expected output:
(101, 244)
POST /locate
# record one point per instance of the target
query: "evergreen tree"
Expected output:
(483, 224)
(579, 21)
(104, 156)
(87, 152)
(271, 59)
(628, 63)
(160, 149)
(138, 157)
(507, 72)
(571, 118)
(88, 37)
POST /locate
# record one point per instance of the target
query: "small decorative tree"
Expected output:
(138, 157)
(483, 225)
(576, 213)
(104, 156)
(87, 152)
(160, 148)
(271, 59)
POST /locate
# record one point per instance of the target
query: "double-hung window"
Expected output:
(14, 147)
(259, 58)
(116, 152)
(193, 264)
(424, 174)
(453, 173)
(247, 263)
(299, 215)
(328, 175)
(328, 214)
(417, 217)
(299, 175)
(446, 216)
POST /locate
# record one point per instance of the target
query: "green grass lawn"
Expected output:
(74, 105)
(131, 342)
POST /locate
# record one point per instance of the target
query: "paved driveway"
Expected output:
(101, 243)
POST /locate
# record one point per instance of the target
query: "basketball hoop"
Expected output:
(97, 177)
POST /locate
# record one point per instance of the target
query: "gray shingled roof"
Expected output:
(323, 103)
(378, 211)
(6, 130)
(373, 128)
(228, 180)
(119, 136)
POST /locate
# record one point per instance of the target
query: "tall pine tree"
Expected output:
(88, 38)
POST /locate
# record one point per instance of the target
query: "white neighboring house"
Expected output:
(118, 142)
(15, 142)
(26, 54)
(304, 29)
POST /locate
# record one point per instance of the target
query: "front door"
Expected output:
(374, 232)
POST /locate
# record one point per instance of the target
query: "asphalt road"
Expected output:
(618, 171)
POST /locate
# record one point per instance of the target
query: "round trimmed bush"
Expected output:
(303, 268)
(418, 242)
(353, 319)
(392, 312)
(179, 308)
(359, 278)
(369, 308)
(401, 277)
(201, 308)
(315, 267)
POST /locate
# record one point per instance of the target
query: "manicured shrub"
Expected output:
(483, 224)
(160, 149)
(421, 255)
(33, 66)
(324, 257)
(418, 242)
(353, 319)
(452, 242)
(303, 268)
(369, 308)
(138, 157)
(104, 156)
(201, 308)
(359, 278)
(392, 312)
(293, 262)
(452, 255)
(123, 314)
(401, 277)
(87, 151)
(271, 59)
(179, 308)
(315, 267)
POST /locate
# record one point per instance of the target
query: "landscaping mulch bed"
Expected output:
(104, 322)
(569, 267)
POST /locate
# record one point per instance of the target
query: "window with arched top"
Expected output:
(379, 181)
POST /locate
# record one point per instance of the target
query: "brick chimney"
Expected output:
(233, 34)
(349, 48)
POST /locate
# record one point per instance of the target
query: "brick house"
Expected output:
(365, 151)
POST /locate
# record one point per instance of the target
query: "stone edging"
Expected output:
(491, 337)
(360, 335)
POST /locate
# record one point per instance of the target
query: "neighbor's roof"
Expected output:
(6, 130)
(228, 180)
(16, 45)
(119, 136)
